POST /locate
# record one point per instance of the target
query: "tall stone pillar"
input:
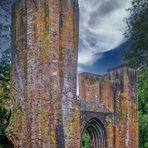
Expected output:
(44, 74)
(69, 24)
(124, 93)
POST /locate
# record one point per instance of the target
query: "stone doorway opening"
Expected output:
(94, 134)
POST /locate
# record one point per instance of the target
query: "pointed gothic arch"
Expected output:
(96, 131)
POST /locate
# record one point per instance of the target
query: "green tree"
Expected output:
(143, 91)
(143, 108)
(4, 99)
(137, 56)
(137, 32)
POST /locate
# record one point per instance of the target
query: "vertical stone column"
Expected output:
(124, 88)
(43, 83)
(45, 74)
(69, 25)
(18, 122)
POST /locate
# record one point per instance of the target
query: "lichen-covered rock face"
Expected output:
(124, 89)
(46, 112)
(44, 74)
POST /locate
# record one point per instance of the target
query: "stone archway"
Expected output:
(96, 133)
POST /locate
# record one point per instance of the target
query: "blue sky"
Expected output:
(102, 24)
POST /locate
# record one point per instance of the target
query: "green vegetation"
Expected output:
(86, 142)
(143, 108)
(137, 29)
(4, 99)
(137, 56)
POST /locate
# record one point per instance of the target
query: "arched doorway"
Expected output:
(94, 135)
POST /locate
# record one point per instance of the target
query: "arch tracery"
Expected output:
(97, 133)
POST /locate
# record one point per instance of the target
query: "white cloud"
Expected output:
(101, 27)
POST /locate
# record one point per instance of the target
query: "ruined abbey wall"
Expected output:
(114, 93)
(46, 111)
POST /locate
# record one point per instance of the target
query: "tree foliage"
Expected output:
(137, 56)
(143, 91)
(4, 99)
(86, 142)
(137, 31)
(143, 108)
(4, 77)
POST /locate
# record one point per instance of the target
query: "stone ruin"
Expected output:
(46, 110)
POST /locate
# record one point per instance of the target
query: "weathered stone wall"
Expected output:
(44, 74)
(124, 90)
(116, 93)
(88, 86)
(96, 102)
(95, 87)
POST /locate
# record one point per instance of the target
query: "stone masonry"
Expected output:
(112, 98)
(46, 110)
